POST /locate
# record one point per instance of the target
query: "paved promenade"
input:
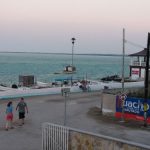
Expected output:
(51, 109)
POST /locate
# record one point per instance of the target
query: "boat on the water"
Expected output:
(69, 69)
(111, 78)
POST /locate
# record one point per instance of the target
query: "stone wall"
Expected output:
(56, 137)
(85, 141)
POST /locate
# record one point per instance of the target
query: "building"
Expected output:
(26, 80)
(138, 64)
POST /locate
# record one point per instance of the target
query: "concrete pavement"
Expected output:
(51, 109)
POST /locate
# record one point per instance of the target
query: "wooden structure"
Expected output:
(138, 64)
(26, 80)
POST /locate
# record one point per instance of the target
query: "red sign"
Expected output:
(135, 72)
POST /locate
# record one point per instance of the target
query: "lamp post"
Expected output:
(65, 92)
(65, 111)
(73, 41)
(123, 53)
(123, 95)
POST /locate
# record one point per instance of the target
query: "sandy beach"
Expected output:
(50, 108)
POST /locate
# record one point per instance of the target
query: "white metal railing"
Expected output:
(54, 137)
(143, 64)
(138, 63)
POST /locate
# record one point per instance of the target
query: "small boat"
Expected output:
(57, 72)
(69, 69)
(111, 78)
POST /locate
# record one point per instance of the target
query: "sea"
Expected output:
(48, 67)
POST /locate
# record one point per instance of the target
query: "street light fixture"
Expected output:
(73, 41)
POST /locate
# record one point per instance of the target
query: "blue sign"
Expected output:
(132, 106)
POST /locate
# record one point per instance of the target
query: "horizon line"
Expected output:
(109, 54)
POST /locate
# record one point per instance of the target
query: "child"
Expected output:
(9, 116)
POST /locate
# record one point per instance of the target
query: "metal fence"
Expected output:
(54, 137)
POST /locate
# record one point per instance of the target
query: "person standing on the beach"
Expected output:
(9, 116)
(22, 109)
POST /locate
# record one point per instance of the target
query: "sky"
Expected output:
(49, 25)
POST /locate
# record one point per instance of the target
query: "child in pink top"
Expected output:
(9, 116)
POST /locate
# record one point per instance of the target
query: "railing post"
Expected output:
(140, 62)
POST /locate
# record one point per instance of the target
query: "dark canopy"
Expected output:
(140, 53)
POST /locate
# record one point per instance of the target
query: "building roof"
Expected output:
(140, 53)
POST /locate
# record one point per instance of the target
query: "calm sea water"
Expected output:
(43, 66)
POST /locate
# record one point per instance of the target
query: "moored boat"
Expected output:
(69, 69)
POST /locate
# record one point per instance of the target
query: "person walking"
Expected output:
(9, 116)
(22, 109)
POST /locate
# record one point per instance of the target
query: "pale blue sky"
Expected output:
(49, 25)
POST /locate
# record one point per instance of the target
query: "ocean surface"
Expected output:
(43, 66)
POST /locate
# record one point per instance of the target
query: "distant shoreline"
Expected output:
(86, 54)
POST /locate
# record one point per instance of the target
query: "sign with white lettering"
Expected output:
(133, 108)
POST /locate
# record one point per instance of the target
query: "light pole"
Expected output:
(65, 92)
(123, 95)
(65, 112)
(123, 53)
(73, 41)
